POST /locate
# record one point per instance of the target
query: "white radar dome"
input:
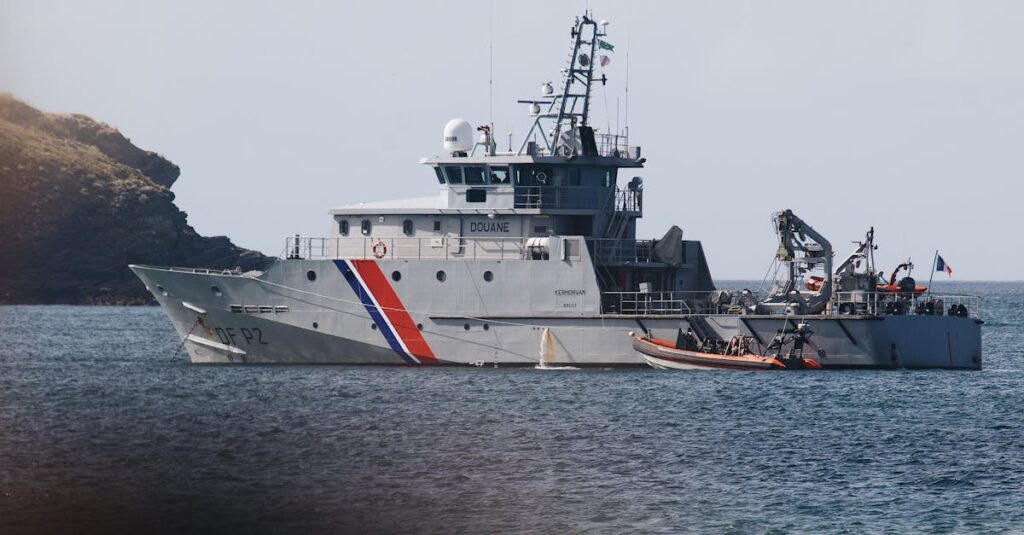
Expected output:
(458, 136)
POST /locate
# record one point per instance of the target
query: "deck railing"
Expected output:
(613, 251)
(738, 302)
(900, 304)
(615, 146)
(445, 247)
(429, 248)
(578, 198)
(680, 302)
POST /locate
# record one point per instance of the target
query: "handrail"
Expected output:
(427, 248)
(610, 250)
(904, 303)
(675, 302)
(461, 247)
(616, 146)
(719, 302)
(577, 197)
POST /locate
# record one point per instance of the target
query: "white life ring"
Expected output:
(379, 249)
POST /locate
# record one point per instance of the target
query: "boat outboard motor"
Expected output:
(795, 357)
(800, 338)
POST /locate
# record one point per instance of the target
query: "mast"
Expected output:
(570, 109)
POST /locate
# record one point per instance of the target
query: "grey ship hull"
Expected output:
(534, 245)
(272, 319)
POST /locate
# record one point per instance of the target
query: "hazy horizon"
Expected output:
(904, 116)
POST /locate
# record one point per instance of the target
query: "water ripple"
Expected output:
(100, 430)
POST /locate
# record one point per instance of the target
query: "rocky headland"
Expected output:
(79, 202)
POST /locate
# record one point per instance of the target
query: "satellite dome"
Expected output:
(458, 136)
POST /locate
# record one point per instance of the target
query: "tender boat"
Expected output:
(665, 355)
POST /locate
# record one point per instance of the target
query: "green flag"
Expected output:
(605, 45)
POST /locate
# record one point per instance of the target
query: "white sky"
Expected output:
(906, 115)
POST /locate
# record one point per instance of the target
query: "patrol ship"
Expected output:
(531, 256)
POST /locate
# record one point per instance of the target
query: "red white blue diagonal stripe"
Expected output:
(386, 310)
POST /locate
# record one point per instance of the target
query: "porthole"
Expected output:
(316, 325)
(487, 327)
(311, 275)
(419, 326)
(373, 326)
(161, 290)
(488, 276)
(396, 276)
(216, 291)
(466, 326)
(441, 276)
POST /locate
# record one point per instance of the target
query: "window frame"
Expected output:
(494, 180)
(451, 180)
(482, 180)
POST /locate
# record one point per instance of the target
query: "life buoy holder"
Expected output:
(379, 249)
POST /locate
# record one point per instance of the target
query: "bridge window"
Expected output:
(454, 174)
(440, 177)
(533, 175)
(499, 175)
(474, 175)
(343, 227)
(476, 195)
(407, 227)
(437, 226)
(366, 227)
(522, 175)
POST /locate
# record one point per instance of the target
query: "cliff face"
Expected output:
(79, 202)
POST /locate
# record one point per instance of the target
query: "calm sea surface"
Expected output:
(101, 429)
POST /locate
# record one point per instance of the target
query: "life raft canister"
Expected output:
(379, 249)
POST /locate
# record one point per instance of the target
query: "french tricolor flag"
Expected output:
(941, 265)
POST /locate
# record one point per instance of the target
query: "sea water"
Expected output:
(104, 427)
